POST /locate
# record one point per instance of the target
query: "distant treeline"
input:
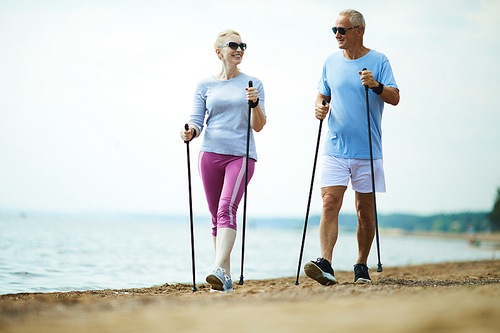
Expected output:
(458, 222)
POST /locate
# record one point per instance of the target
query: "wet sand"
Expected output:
(450, 297)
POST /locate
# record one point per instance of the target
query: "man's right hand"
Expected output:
(321, 110)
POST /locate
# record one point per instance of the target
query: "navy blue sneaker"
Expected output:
(361, 274)
(321, 271)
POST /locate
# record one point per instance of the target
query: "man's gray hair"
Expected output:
(355, 17)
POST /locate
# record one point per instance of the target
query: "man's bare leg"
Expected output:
(329, 223)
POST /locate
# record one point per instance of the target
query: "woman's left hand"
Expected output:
(252, 94)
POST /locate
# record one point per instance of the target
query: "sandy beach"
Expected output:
(449, 297)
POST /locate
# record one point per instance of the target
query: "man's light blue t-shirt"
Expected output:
(224, 104)
(347, 135)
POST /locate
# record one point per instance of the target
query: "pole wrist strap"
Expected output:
(253, 104)
(378, 90)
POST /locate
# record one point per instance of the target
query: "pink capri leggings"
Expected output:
(223, 178)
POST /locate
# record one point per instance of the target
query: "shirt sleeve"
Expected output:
(199, 107)
(261, 95)
(387, 77)
(323, 86)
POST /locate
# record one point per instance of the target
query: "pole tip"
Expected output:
(241, 281)
(297, 283)
(379, 268)
(194, 289)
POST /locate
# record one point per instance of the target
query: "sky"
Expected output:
(93, 95)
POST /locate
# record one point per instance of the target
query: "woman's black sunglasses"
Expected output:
(234, 46)
(342, 30)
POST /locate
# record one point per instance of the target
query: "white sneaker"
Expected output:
(219, 281)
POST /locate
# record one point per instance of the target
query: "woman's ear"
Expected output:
(218, 53)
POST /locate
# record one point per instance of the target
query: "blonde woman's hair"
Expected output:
(220, 38)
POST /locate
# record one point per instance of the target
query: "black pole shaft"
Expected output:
(191, 213)
(309, 200)
(379, 265)
(250, 84)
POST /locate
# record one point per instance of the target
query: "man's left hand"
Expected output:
(367, 79)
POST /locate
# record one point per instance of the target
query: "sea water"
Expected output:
(64, 253)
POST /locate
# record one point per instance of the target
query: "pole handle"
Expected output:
(366, 87)
(186, 127)
(250, 85)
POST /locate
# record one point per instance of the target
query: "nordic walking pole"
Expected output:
(190, 211)
(379, 265)
(309, 201)
(250, 84)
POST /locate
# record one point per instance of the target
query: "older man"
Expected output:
(347, 150)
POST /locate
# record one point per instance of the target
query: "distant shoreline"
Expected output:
(477, 236)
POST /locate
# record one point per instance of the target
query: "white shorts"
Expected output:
(337, 171)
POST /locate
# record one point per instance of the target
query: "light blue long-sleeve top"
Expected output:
(225, 107)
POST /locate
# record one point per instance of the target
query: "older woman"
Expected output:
(223, 100)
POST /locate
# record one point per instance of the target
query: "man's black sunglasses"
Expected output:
(234, 46)
(342, 30)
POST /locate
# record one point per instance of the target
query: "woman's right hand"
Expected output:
(186, 135)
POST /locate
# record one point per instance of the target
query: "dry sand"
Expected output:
(450, 297)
